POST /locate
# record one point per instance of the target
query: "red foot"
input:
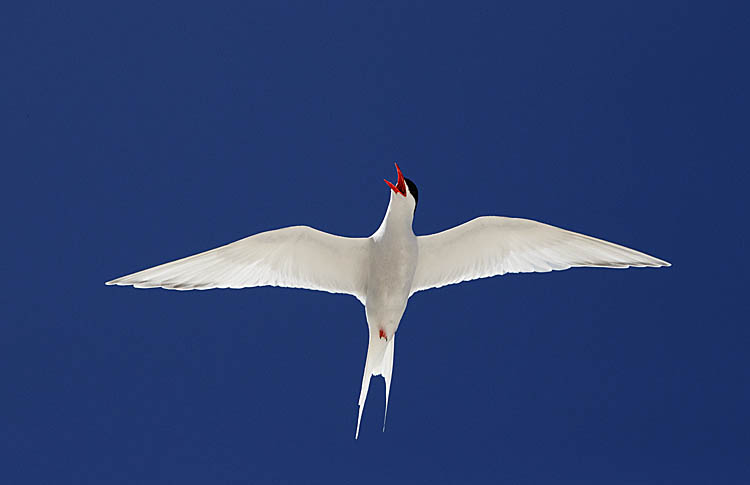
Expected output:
(383, 335)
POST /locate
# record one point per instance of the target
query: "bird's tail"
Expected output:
(379, 362)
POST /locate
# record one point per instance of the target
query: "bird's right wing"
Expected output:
(293, 257)
(489, 246)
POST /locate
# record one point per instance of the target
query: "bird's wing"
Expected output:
(489, 246)
(294, 257)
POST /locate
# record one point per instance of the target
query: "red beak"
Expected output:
(400, 187)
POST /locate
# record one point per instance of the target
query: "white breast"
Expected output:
(392, 265)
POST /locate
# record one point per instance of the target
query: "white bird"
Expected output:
(385, 269)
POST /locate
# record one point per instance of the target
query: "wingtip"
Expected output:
(117, 282)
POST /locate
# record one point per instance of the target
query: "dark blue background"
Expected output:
(136, 133)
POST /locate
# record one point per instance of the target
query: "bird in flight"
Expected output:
(382, 271)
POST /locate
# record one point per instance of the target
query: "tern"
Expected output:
(382, 271)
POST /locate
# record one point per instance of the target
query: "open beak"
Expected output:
(400, 187)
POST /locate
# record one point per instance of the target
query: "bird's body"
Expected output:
(392, 263)
(391, 267)
(384, 270)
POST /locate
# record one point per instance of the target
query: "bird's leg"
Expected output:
(383, 335)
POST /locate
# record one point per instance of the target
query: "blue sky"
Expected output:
(138, 133)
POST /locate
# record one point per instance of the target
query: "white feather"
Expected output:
(293, 257)
(491, 245)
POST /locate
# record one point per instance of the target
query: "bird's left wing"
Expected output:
(491, 245)
(294, 257)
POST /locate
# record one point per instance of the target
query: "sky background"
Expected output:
(135, 133)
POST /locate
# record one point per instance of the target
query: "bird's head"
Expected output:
(405, 192)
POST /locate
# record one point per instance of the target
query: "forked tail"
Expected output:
(379, 362)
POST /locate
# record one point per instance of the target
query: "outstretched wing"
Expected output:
(489, 246)
(294, 257)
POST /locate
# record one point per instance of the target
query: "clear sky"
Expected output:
(136, 133)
